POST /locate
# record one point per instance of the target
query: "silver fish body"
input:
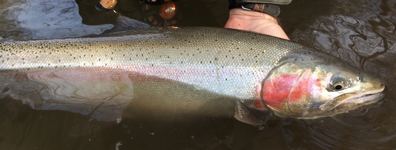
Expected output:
(168, 70)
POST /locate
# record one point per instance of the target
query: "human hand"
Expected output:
(255, 22)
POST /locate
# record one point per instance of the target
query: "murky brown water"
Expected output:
(359, 31)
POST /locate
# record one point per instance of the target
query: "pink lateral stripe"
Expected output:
(122, 74)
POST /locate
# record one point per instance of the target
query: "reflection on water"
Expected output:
(38, 19)
(361, 32)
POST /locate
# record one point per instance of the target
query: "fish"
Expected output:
(182, 71)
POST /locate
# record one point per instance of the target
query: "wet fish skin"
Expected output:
(170, 71)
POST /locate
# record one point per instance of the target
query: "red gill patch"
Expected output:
(303, 87)
(277, 89)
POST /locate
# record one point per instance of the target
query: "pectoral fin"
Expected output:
(252, 116)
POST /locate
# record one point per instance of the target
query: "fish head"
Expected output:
(310, 86)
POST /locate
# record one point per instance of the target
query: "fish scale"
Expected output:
(150, 46)
(170, 48)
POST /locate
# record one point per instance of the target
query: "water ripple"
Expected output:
(364, 35)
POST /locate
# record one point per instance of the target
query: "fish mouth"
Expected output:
(368, 97)
(374, 95)
(354, 99)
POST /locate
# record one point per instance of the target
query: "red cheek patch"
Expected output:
(302, 88)
(277, 89)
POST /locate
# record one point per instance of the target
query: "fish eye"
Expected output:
(337, 83)
(338, 86)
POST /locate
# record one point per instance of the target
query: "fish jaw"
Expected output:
(314, 90)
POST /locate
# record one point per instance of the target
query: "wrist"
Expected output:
(246, 16)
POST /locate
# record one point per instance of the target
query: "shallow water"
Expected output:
(361, 32)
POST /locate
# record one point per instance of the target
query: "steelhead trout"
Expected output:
(170, 71)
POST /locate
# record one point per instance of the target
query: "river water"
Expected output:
(362, 32)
